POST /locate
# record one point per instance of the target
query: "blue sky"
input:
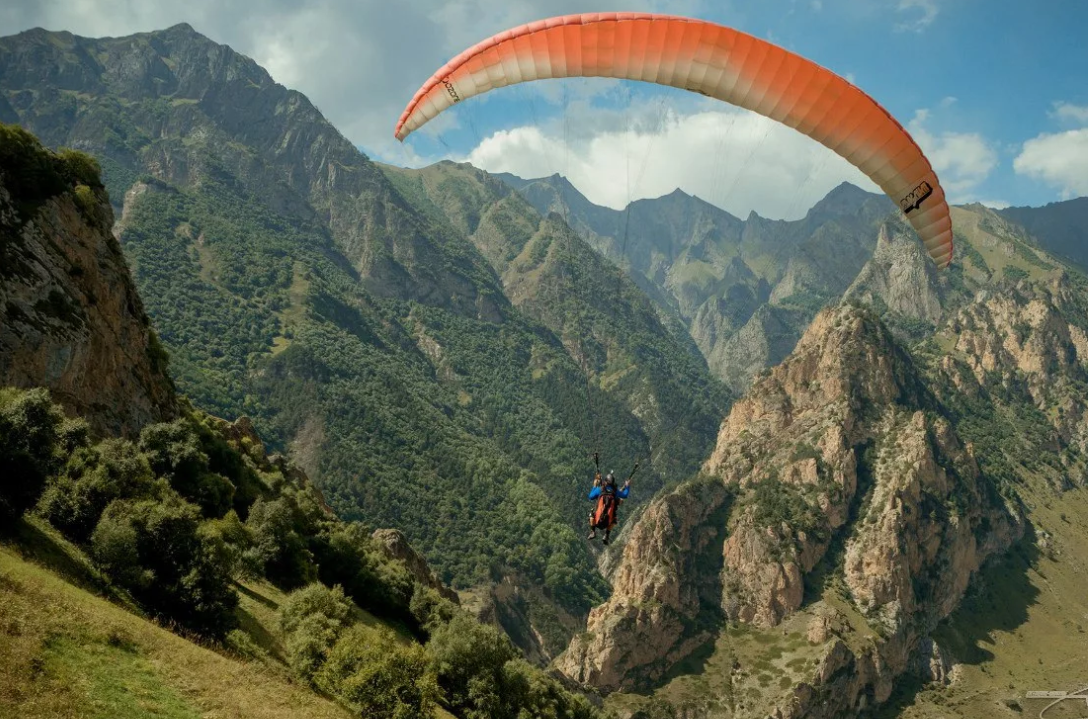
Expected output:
(973, 81)
(994, 91)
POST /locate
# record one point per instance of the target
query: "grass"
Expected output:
(71, 645)
(66, 650)
(999, 252)
(698, 273)
(294, 314)
(112, 680)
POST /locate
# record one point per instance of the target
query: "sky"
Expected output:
(994, 91)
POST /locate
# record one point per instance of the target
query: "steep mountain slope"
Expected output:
(860, 491)
(840, 459)
(1060, 227)
(745, 290)
(294, 282)
(601, 316)
(70, 317)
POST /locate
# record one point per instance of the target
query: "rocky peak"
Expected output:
(840, 444)
(900, 277)
(844, 200)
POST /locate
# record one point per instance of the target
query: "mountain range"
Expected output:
(849, 464)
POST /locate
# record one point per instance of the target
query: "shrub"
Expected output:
(79, 168)
(30, 431)
(157, 551)
(278, 547)
(348, 556)
(174, 451)
(379, 675)
(468, 659)
(92, 479)
(237, 540)
(529, 692)
(430, 610)
(23, 157)
(312, 619)
(656, 709)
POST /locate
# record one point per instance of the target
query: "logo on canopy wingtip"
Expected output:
(915, 197)
(451, 89)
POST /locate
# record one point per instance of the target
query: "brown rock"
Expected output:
(397, 546)
(846, 413)
(71, 319)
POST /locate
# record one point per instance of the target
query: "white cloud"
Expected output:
(1070, 113)
(921, 14)
(963, 160)
(1059, 160)
(735, 159)
(995, 204)
(359, 61)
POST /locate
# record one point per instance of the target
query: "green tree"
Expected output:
(348, 556)
(278, 545)
(468, 659)
(174, 451)
(93, 478)
(30, 448)
(312, 619)
(381, 676)
(155, 549)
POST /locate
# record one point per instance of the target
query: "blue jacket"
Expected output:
(620, 493)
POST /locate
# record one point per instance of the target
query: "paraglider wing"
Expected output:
(715, 61)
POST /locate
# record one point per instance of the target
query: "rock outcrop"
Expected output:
(842, 445)
(658, 590)
(396, 546)
(71, 319)
(900, 277)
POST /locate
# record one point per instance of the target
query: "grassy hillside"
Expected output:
(1060, 227)
(108, 544)
(70, 652)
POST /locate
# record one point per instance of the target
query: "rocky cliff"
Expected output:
(396, 547)
(70, 317)
(858, 491)
(900, 278)
(838, 481)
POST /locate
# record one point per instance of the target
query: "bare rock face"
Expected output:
(900, 276)
(642, 630)
(397, 546)
(1028, 346)
(841, 444)
(70, 317)
(917, 546)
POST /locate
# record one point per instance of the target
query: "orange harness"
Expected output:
(604, 516)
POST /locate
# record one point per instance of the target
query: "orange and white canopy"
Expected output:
(715, 61)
